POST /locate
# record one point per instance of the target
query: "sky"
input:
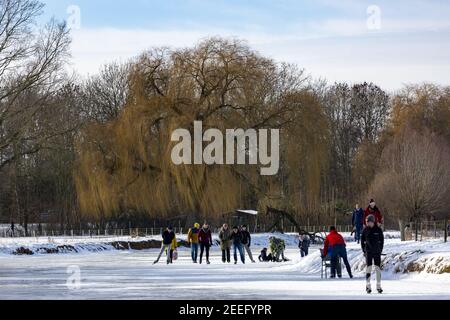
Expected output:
(390, 43)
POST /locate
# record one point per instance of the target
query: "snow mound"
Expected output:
(431, 257)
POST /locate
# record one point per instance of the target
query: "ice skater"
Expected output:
(247, 241)
(372, 243)
(193, 240)
(236, 237)
(168, 237)
(225, 243)
(205, 240)
(358, 222)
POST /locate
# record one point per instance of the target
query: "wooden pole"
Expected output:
(446, 223)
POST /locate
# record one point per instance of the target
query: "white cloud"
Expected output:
(93, 47)
(338, 51)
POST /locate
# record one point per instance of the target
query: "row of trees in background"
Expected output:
(97, 150)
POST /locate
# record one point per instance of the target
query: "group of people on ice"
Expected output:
(200, 238)
(367, 228)
(237, 238)
(277, 247)
(368, 232)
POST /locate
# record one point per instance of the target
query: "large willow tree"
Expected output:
(125, 165)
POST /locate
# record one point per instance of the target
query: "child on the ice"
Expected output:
(303, 245)
(372, 243)
(264, 257)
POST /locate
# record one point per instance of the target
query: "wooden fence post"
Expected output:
(446, 223)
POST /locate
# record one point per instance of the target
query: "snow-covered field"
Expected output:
(114, 274)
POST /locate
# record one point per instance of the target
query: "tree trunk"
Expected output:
(416, 231)
(25, 222)
(446, 227)
(401, 225)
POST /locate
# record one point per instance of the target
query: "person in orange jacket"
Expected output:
(193, 241)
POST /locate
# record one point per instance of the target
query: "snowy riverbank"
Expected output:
(72, 245)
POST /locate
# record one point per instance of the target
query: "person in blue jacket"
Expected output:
(358, 222)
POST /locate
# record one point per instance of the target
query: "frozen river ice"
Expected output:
(131, 275)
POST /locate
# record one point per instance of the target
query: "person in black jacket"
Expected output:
(167, 237)
(372, 243)
(236, 238)
(264, 257)
(246, 242)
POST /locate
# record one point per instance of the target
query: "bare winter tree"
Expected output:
(413, 183)
(357, 115)
(105, 94)
(30, 64)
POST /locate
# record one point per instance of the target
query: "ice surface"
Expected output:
(131, 275)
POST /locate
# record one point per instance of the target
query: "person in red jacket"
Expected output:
(335, 247)
(372, 210)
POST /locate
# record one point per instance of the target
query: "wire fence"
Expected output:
(143, 232)
(413, 231)
(426, 230)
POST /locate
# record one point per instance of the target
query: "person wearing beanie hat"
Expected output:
(372, 243)
(372, 209)
(193, 241)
